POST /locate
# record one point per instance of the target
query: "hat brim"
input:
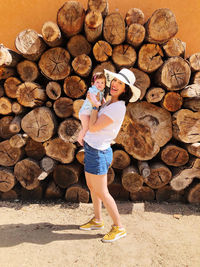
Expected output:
(111, 75)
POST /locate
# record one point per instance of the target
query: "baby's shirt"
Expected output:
(87, 106)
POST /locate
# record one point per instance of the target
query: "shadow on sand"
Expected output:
(40, 233)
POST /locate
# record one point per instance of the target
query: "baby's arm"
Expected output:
(95, 95)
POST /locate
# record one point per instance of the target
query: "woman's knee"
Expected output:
(103, 194)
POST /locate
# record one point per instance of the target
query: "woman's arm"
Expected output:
(96, 124)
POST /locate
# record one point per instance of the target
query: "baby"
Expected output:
(97, 89)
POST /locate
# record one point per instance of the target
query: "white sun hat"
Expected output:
(127, 77)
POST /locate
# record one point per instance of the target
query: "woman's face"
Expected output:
(117, 87)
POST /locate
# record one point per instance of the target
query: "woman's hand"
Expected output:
(94, 99)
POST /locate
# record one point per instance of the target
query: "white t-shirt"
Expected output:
(102, 139)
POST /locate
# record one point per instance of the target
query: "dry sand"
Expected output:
(47, 234)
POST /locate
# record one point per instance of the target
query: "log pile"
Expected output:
(44, 82)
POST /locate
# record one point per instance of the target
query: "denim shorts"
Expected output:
(97, 161)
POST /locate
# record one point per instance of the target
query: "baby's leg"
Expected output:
(85, 125)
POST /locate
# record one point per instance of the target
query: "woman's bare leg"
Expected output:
(97, 202)
(98, 183)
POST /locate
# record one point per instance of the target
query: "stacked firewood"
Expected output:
(44, 83)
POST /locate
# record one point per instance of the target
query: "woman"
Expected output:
(104, 125)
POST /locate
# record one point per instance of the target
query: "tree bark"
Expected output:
(142, 81)
(82, 65)
(160, 176)
(27, 70)
(60, 150)
(30, 44)
(114, 29)
(51, 34)
(121, 159)
(76, 194)
(98, 5)
(191, 91)
(49, 104)
(110, 175)
(6, 72)
(194, 194)
(131, 180)
(174, 156)
(192, 103)
(144, 194)
(102, 50)
(145, 129)
(195, 78)
(194, 149)
(11, 84)
(30, 94)
(15, 125)
(80, 156)
(5, 105)
(108, 65)
(53, 191)
(9, 156)
(34, 149)
(53, 90)
(124, 56)
(93, 26)
(27, 172)
(161, 26)
(4, 127)
(70, 18)
(150, 57)
(172, 101)
(63, 107)
(7, 180)
(8, 58)
(134, 15)
(69, 130)
(144, 168)
(18, 140)
(117, 190)
(195, 62)
(77, 104)
(186, 126)
(39, 124)
(135, 34)
(54, 63)
(47, 164)
(174, 48)
(17, 108)
(166, 193)
(155, 94)
(74, 87)
(66, 175)
(174, 74)
(78, 45)
(185, 176)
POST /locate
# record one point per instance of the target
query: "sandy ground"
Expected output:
(47, 234)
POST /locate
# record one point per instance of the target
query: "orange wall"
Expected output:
(18, 15)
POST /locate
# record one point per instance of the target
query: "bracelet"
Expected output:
(95, 108)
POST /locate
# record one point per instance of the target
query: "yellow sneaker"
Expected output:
(92, 225)
(115, 233)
